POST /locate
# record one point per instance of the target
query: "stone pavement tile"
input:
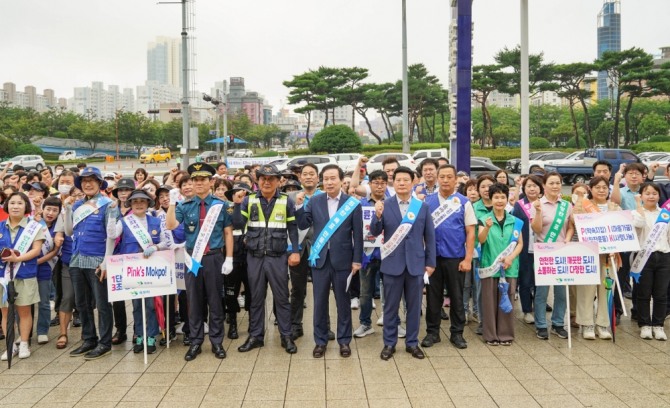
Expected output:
(493, 373)
(643, 401)
(603, 371)
(62, 367)
(544, 387)
(270, 391)
(47, 404)
(530, 372)
(579, 386)
(86, 381)
(318, 365)
(69, 395)
(180, 395)
(567, 372)
(99, 404)
(130, 367)
(24, 396)
(488, 362)
(654, 357)
(105, 394)
(205, 363)
(264, 378)
(554, 360)
(217, 404)
(265, 363)
(358, 403)
(455, 374)
(638, 371)
(263, 404)
(344, 376)
(101, 366)
(558, 401)
(156, 379)
(145, 394)
(521, 360)
(306, 378)
(426, 390)
(431, 402)
(166, 366)
(305, 403)
(119, 380)
(504, 387)
(601, 400)
(385, 403)
(417, 372)
(345, 391)
(4, 392)
(384, 391)
(482, 401)
(623, 386)
(227, 379)
(306, 393)
(225, 392)
(135, 404)
(24, 367)
(41, 380)
(662, 368)
(236, 362)
(588, 359)
(181, 404)
(193, 379)
(658, 385)
(380, 372)
(465, 389)
(448, 362)
(515, 401)
(619, 356)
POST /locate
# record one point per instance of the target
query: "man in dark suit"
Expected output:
(337, 251)
(407, 255)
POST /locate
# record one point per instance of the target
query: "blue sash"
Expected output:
(332, 226)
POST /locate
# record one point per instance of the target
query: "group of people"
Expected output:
(447, 236)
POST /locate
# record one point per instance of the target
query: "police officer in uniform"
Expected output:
(204, 287)
(270, 220)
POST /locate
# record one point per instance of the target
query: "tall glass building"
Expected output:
(609, 39)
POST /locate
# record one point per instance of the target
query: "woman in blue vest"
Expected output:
(140, 202)
(23, 267)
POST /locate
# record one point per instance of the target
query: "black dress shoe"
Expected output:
(387, 352)
(429, 340)
(193, 352)
(331, 335)
(186, 340)
(250, 344)
(345, 350)
(119, 338)
(416, 352)
(319, 351)
(549, 308)
(458, 341)
(443, 314)
(76, 321)
(164, 342)
(219, 351)
(83, 349)
(232, 331)
(98, 352)
(296, 333)
(289, 345)
(54, 322)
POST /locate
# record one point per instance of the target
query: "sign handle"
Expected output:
(167, 320)
(144, 329)
(567, 306)
(618, 287)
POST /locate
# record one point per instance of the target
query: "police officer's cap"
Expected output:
(201, 170)
(139, 194)
(237, 187)
(90, 172)
(124, 183)
(291, 183)
(268, 170)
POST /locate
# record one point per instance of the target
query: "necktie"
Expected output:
(203, 214)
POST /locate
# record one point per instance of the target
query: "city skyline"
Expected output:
(290, 40)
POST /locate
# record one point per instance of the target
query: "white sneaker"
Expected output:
(380, 321)
(603, 333)
(363, 331)
(528, 318)
(14, 353)
(659, 333)
(42, 339)
(355, 304)
(588, 332)
(206, 328)
(240, 301)
(180, 328)
(402, 333)
(645, 333)
(24, 350)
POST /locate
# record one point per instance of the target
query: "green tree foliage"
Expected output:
(6, 147)
(27, 148)
(653, 124)
(539, 143)
(571, 81)
(336, 139)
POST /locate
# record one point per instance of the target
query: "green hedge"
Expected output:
(651, 147)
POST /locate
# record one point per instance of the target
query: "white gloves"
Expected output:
(150, 251)
(174, 196)
(426, 278)
(227, 267)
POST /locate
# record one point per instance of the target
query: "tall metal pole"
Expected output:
(225, 122)
(184, 101)
(405, 90)
(463, 85)
(218, 118)
(525, 114)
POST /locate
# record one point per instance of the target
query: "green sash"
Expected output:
(557, 224)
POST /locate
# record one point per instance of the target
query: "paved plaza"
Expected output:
(530, 373)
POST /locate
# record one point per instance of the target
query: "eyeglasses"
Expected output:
(634, 174)
(378, 183)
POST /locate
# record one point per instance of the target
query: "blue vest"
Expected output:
(90, 236)
(66, 250)
(178, 234)
(28, 269)
(129, 244)
(450, 235)
(44, 270)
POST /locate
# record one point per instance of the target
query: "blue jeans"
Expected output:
(367, 276)
(152, 321)
(526, 281)
(558, 315)
(471, 289)
(87, 286)
(44, 307)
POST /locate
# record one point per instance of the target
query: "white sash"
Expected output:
(139, 231)
(203, 236)
(660, 227)
(448, 208)
(88, 208)
(162, 216)
(403, 229)
(495, 267)
(25, 242)
(48, 246)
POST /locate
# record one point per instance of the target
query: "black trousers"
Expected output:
(204, 291)
(446, 273)
(183, 312)
(168, 305)
(623, 281)
(299, 275)
(120, 318)
(232, 284)
(654, 282)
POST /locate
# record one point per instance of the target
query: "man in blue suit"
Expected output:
(408, 254)
(337, 251)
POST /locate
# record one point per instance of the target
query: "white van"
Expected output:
(420, 155)
(68, 155)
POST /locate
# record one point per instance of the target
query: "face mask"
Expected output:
(110, 185)
(58, 172)
(64, 189)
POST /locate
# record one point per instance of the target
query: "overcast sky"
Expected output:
(65, 44)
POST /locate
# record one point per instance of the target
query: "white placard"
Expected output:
(612, 230)
(133, 276)
(567, 264)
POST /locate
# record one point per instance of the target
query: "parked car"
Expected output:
(651, 156)
(243, 153)
(572, 158)
(68, 155)
(420, 155)
(479, 167)
(28, 161)
(96, 156)
(484, 159)
(375, 162)
(514, 165)
(574, 173)
(319, 161)
(347, 161)
(208, 156)
(539, 162)
(156, 155)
